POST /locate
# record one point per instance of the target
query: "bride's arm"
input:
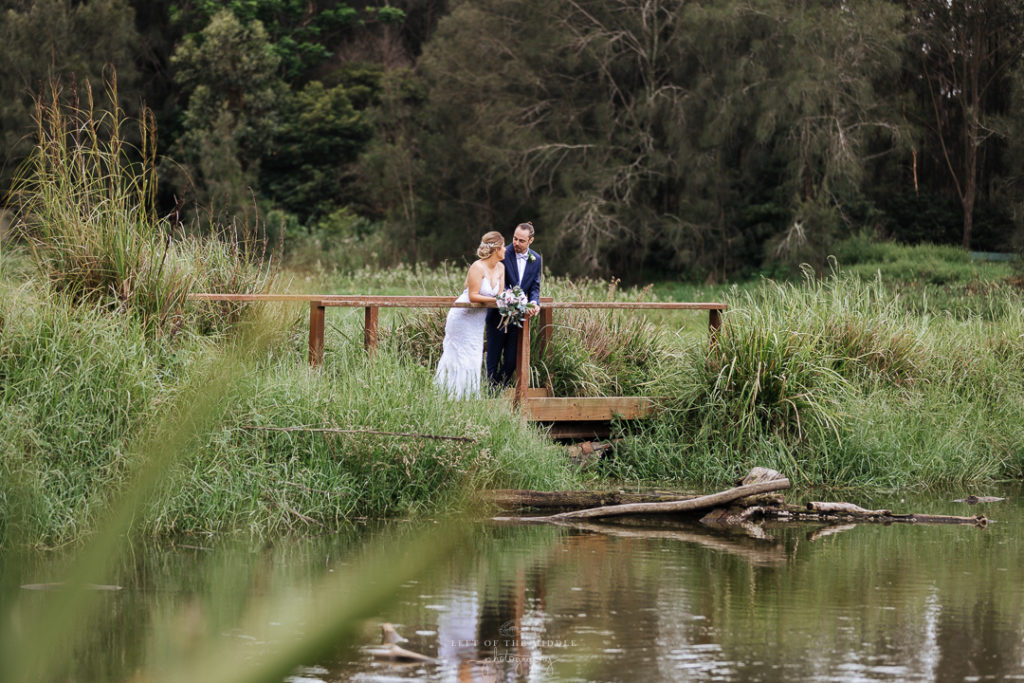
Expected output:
(473, 282)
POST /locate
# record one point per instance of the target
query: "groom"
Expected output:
(522, 268)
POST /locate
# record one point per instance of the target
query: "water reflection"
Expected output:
(593, 601)
(663, 601)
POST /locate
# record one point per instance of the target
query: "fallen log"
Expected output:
(847, 512)
(699, 503)
(509, 499)
(848, 508)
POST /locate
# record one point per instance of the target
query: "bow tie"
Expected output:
(522, 256)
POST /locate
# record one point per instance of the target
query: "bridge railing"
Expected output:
(319, 303)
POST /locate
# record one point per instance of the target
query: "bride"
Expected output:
(458, 371)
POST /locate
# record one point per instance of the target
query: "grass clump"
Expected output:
(73, 383)
(85, 202)
(835, 382)
(384, 462)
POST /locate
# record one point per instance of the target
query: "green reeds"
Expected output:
(836, 382)
(85, 203)
(78, 384)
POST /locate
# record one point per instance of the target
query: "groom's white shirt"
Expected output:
(521, 263)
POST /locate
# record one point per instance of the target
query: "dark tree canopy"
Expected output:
(644, 138)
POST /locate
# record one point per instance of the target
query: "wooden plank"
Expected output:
(370, 329)
(522, 362)
(604, 408)
(531, 392)
(316, 333)
(363, 301)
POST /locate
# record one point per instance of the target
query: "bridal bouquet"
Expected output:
(512, 307)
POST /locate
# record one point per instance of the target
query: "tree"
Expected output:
(308, 171)
(658, 133)
(967, 51)
(303, 35)
(229, 73)
(46, 41)
(391, 170)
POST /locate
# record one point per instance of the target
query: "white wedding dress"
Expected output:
(458, 371)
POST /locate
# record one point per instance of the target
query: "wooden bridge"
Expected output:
(569, 417)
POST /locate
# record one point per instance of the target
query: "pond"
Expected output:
(664, 601)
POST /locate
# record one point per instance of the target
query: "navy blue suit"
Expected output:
(501, 343)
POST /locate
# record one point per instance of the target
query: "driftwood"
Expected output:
(848, 508)
(699, 503)
(760, 474)
(510, 499)
(735, 508)
(974, 500)
(847, 512)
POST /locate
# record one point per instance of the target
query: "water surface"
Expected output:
(665, 601)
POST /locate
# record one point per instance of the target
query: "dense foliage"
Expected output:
(643, 137)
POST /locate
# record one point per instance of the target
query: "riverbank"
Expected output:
(836, 381)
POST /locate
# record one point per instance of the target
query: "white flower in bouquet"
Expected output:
(512, 307)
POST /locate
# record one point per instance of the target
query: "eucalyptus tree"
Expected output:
(657, 133)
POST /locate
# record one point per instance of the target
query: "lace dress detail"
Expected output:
(458, 371)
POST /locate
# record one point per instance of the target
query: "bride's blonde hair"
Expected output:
(490, 243)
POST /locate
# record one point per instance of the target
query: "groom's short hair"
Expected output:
(528, 226)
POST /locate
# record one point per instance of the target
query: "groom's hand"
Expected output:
(533, 310)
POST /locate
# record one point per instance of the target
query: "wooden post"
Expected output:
(370, 329)
(714, 323)
(546, 325)
(316, 333)
(522, 363)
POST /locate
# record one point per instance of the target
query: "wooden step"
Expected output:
(550, 409)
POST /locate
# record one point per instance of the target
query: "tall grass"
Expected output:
(40, 640)
(78, 384)
(837, 383)
(85, 200)
(315, 480)
(933, 279)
